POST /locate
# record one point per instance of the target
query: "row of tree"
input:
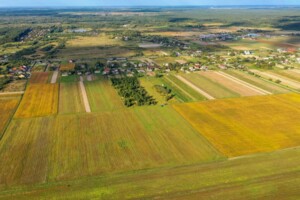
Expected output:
(132, 92)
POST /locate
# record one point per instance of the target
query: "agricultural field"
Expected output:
(256, 177)
(68, 79)
(149, 82)
(8, 105)
(258, 82)
(183, 92)
(67, 66)
(230, 83)
(38, 100)
(102, 96)
(15, 86)
(66, 147)
(40, 77)
(249, 125)
(211, 87)
(155, 102)
(293, 74)
(70, 99)
(94, 52)
(94, 41)
(293, 84)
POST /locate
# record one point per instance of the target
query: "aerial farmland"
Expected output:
(150, 103)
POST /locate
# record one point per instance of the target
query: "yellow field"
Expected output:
(243, 126)
(7, 107)
(67, 67)
(38, 100)
(100, 40)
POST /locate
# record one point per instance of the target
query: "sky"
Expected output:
(45, 3)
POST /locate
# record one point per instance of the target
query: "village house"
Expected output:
(106, 71)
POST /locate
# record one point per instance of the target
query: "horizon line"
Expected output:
(141, 6)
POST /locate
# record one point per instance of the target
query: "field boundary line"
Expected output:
(176, 85)
(241, 82)
(261, 153)
(84, 96)
(9, 93)
(205, 94)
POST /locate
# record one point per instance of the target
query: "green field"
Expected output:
(211, 87)
(70, 99)
(289, 74)
(102, 96)
(66, 79)
(66, 147)
(183, 92)
(263, 176)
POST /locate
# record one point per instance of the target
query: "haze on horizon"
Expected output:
(55, 3)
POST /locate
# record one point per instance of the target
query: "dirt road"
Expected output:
(84, 96)
(245, 84)
(54, 77)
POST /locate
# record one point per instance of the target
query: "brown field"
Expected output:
(40, 77)
(249, 125)
(38, 100)
(8, 106)
(238, 88)
(15, 86)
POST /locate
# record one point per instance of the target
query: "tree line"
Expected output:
(132, 92)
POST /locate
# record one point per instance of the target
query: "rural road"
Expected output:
(54, 77)
(206, 95)
(84, 96)
(284, 80)
(245, 84)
